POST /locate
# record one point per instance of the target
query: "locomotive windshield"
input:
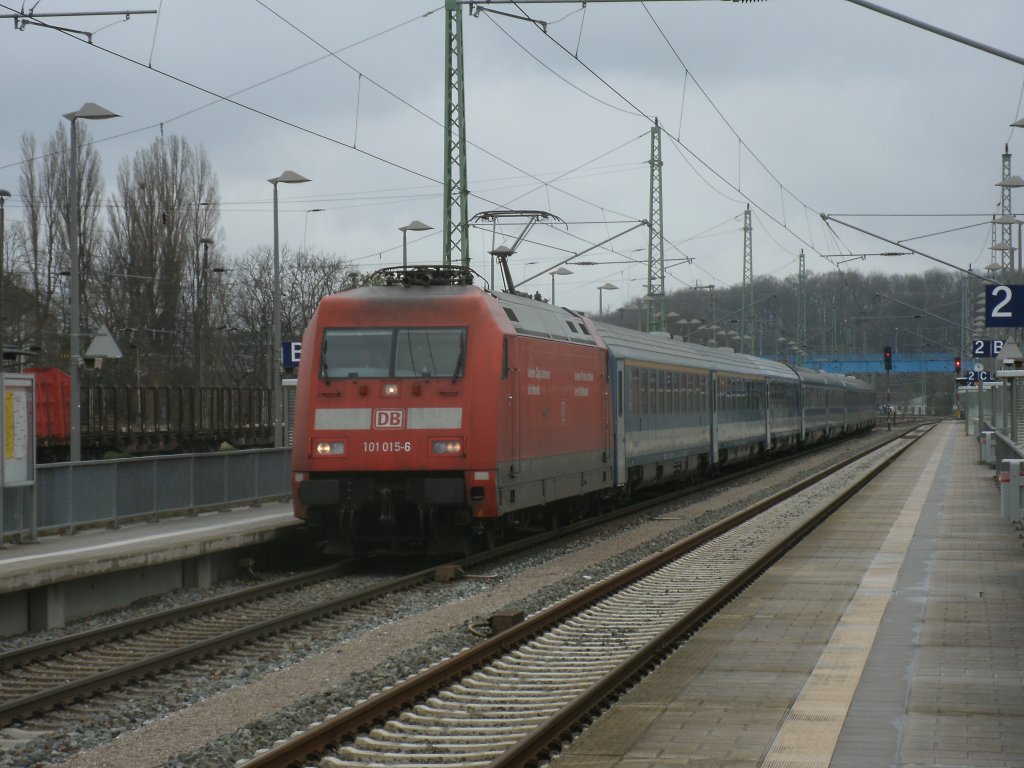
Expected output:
(393, 353)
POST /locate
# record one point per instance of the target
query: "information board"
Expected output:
(17, 430)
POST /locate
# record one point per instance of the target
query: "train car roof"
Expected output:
(809, 376)
(664, 349)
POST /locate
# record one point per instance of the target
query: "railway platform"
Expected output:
(58, 578)
(893, 635)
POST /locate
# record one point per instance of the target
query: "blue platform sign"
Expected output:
(291, 351)
(987, 347)
(1004, 306)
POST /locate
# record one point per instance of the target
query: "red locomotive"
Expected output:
(429, 413)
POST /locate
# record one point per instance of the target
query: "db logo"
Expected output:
(388, 418)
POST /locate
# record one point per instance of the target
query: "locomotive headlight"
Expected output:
(389, 390)
(329, 448)
(446, 447)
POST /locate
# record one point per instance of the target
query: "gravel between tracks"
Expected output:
(216, 721)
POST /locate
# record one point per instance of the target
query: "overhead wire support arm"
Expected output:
(475, 8)
(938, 31)
(23, 20)
(642, 223)
(827, 217)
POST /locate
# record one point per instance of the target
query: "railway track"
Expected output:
(511, 700)
(38, 680)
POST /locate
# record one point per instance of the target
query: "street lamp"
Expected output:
(600, 296)
(204, 270)
(88, 111)
(559, 271)
(305, 224)
(288, 177)
(4, 194)
(413, 226)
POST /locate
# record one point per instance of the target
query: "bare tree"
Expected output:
(42, 238)
(166, 203)
(305, 279)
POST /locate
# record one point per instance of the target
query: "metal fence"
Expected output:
(69, 495)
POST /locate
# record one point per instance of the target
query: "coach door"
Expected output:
(514, 405)
(619, 415)
(712, 406)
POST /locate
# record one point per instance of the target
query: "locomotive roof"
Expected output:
(530, 317)
(661, 348)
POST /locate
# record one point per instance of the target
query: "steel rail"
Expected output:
(60, 646)
(546, 738)
(30, 705)
(387, 704)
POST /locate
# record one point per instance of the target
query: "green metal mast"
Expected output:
(801, 307)
(655, 241)
(1006, 212)
(747, 313)
(456, 215)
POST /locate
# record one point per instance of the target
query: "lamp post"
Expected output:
(4, 194)
(204, 270)
(413, 226)
(288, 177)
(559, 271)
(600, 296)
(305, 224)
(88, 111)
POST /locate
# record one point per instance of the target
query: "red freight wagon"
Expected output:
(429, 417)
(53, 406)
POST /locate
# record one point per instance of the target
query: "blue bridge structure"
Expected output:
(858, 363)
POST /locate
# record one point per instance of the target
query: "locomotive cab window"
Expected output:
(393, 353)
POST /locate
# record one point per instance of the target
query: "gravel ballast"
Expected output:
(214, 722)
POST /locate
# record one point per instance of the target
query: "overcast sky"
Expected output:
(797, 107)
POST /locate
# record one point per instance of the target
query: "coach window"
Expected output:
(634, 390)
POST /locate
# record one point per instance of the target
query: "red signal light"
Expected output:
(956, 363)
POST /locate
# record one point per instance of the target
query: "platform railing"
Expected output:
(71, 495)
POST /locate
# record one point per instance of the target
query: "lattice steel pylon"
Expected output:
(456, 215)
(1005, 243)
(655, 241)
(747, 309)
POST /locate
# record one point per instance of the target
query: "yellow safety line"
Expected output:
(809, 733)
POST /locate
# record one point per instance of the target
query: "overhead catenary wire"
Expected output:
(682, 151)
